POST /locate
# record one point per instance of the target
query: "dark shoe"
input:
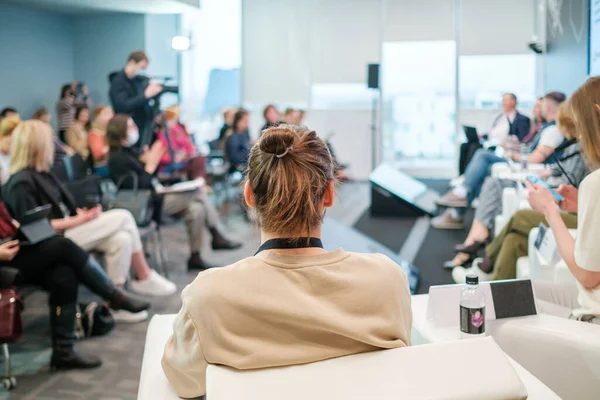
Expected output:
(69, 358)
(486, 265)
(219, 242)
(197, 263)
(64, 356)
(471, 249)
(121, 300)
(447, 221)
(452, 200)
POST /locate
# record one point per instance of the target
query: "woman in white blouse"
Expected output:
(582, 255)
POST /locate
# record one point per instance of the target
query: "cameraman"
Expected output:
(131, 94)
(68, 103)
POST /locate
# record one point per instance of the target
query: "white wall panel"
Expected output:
(412, 20)
(275, 65)
(496, 27)
(344, 38)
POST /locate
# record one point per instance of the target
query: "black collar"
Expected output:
(290, 243)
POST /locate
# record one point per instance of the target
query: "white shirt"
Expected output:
(587, 250)
(4, 167)
(501, 128)
(551, 137)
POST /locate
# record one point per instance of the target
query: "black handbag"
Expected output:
(138, 202)
(92, 319)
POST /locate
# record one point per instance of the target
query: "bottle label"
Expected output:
(472, 320)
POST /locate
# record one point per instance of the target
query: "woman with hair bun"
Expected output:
(292, 302)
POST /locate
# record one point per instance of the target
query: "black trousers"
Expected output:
(54, 264)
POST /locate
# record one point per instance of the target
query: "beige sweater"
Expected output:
(275, 310)
(77, 138)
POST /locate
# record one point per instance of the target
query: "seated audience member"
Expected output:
(193, 207)
(42, 114)
(581, 255)
(301, 115)
(114, 233)
(291, 116)
(97, 137)
(228, 115)
(538, 122)
(237, 142)
(271, 117)
(9, 112)
(490, 195)
(77, 134)
(480, 167)
(508, 127)
(292, 302)
(181, 146)
(7, 127)
(67, 106)
(490, 201)
(510, 122)
(58, 265)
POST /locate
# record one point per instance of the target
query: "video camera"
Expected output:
(163, 81)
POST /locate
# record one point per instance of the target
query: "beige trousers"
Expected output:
(196, 210)
(113, 233)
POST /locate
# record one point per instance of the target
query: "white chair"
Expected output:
(438, 371)
(434, 371)
(562, 353)
(535, 267)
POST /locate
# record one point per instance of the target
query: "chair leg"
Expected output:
(160, 262)
(164, 255)
(9, 381)
(6, 360)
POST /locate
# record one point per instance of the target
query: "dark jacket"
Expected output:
(125, 162)
(519, 127)
(28, 189)
(127, 97)
(237, 150)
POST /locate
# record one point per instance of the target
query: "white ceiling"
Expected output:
(134, 6)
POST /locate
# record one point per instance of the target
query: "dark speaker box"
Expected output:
(373, 76)
(393, 193)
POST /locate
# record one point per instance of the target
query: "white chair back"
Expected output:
(465, 370)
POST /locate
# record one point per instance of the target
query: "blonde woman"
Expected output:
(113, 233)
(7, 127)
(77, 134)
(581, 255)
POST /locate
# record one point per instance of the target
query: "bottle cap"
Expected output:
(472, 280)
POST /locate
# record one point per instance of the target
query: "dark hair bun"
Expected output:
(277, 140)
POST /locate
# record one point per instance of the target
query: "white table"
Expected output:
(425, 331)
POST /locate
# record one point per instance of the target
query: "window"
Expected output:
(484, 78)
(418, 81)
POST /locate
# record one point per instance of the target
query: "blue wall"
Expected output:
(160, 29)
(566, 63)
(37, 58)
(101, 45)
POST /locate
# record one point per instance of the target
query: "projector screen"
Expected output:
(594, 46)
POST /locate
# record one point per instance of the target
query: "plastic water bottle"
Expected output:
(524, 154)
(472, 309)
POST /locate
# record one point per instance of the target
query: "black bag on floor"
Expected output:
(93, 319)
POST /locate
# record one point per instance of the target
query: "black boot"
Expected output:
(94, 277)
(197, 263)
(64, 355)
(219, 242)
